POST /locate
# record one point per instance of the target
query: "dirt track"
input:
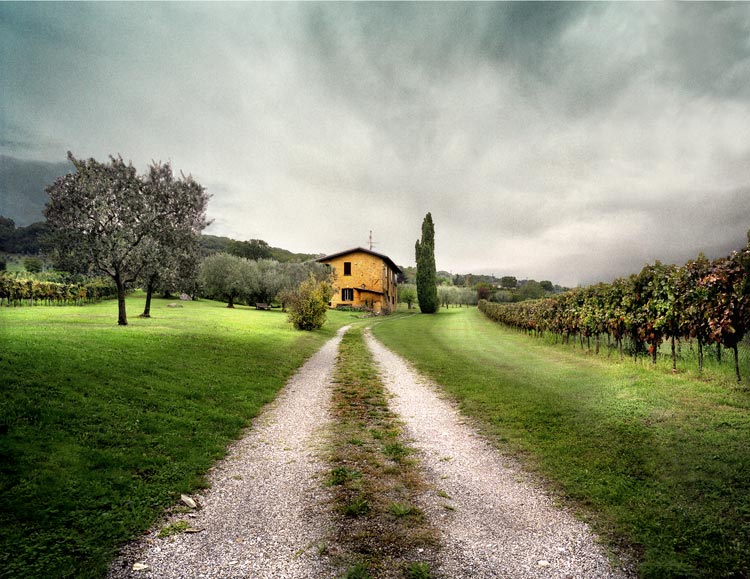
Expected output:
(265, 514)
(495, 522)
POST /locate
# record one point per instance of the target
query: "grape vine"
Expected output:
(706, 301)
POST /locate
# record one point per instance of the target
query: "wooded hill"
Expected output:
(30, 240)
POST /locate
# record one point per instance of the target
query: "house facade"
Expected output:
(363, 278)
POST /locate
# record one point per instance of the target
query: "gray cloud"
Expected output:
(563, 141)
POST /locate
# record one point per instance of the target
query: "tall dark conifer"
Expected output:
(427, 294)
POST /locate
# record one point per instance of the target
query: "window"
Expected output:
(347, 294)
(347, 268)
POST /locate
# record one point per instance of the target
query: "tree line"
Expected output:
(704, 300)
(27, 240)
(234, 279)
(448, 295)
(220, 276)
(33, 240)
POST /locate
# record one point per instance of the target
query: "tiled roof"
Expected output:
(385, 258)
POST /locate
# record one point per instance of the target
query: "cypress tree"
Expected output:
(427, 294)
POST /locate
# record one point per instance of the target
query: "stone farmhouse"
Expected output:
(363, 279)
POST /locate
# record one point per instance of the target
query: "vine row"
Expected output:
(705, 300)
(20, 291)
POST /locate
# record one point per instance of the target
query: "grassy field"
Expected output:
(102, 427)
(659, 463)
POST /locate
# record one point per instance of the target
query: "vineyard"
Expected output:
(702, 304)
(23, 289)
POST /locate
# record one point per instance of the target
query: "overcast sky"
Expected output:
(571, 141)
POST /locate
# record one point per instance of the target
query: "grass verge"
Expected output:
(659, 463)
(380, 532)
(103, 427)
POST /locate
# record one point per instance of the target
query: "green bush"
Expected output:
(32, 264)
(308, 306)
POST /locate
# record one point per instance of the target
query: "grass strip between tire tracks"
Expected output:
(375, 480)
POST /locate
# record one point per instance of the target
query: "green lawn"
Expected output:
(102, 427)
(659, 463)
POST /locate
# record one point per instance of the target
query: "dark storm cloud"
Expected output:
(708, 50)
(564, 141)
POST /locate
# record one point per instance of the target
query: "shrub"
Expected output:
(32, 264)
(308, 305)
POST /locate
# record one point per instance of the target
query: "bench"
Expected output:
(259, 306)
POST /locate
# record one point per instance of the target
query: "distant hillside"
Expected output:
(215, 244)
(22, 185)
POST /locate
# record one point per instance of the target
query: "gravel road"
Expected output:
(265, 514)
(496, 521)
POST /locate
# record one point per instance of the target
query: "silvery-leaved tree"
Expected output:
(175, 251)
(224, 276)
(105, 218)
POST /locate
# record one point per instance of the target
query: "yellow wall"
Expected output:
(368, 272)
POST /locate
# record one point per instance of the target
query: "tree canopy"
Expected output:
(27, 240)
(175, 251)
(253, 249)
(224, 276)
(107, 219)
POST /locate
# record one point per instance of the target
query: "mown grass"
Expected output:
(380, 532)
(660, 463)
(102, 427)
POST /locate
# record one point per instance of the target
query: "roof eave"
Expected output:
(385, 258)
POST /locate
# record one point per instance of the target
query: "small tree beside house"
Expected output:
(309, 304)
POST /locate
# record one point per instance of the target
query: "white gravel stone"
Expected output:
(264, 515)
(500, 524)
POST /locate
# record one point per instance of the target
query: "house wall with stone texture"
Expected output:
(372, 281)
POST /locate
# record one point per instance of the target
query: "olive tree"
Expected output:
(264, 280)
(224, 276)
(407, 294)
(447, 295)
(105, 218)
(174, 253)
(293, 274)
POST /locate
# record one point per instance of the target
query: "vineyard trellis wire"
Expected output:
(702, 307)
